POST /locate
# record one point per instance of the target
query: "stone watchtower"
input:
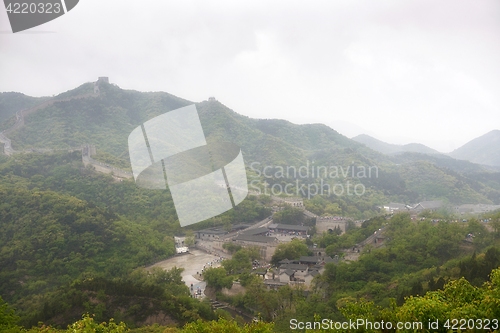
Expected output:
(100, 79)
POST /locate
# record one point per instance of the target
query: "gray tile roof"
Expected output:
(288, 272)
(291, 227)
(310, 259)
(297, 267)
(313, 273)
(429, 205)
(255, 231)
(256, 239)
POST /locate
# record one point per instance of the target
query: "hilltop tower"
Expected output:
(103, 79)
(100, 79)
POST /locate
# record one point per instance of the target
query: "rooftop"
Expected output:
(255, 231)
(256, 239)
(289, 227)
(296, 267)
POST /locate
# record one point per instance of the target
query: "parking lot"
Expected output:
(192, 263)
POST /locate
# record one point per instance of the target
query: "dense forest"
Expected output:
(71, 235)
(414, 278)
(106, 120)
(75, 244)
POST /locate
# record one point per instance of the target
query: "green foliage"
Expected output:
(225, 326)
(263, 302)
(458, 299)
(333, 243)
(12, 102)
(189, 240)
(231, 247)
(289, 215)
(217, 278)
(291, 251)
(88, 325)
(72, 238)
(8, 318)
(107, 158)
(107, 119)
(476, 268)
(241, 260)
(131, 299)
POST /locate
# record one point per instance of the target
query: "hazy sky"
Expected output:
(402, 71)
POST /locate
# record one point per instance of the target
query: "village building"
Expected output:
(289, 228)
(256, 232)
(266, 245)
(395, 207)
(475, 209)
(217, 233)
(426, 205)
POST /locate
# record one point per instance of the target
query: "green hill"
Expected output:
(388, 148)
(12, 102)
(73, 239)
(106, 120)
(482, 150)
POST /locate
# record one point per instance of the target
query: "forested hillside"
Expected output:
(75, 241)
(426, 271)
(482, 150)
(387, 148)
(106, 119)
(63, 224)
(12, 102)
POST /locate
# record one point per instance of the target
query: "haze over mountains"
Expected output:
(483, 150)
(405, 173)
(388, 148)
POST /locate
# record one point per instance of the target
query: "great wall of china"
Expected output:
(86, 149)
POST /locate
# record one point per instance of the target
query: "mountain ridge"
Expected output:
(389, 148)
(107, 119)
(481, 150)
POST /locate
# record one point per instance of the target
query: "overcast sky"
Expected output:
(402, 71)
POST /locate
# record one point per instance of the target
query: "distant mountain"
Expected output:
(106, 120)
(11, 102)
(406, 173)
(483, 150)
(388, 148)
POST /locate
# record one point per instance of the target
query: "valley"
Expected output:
(78, 231)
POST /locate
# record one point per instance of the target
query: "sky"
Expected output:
(402, 71)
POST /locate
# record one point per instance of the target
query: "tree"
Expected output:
(232, 248)
(87, 324)
(228, 226)
(291, 251)
(8, 318)
(189, 240)
(225, 326)
(495, 224)
(258, 298)
(253, 252)
(289, 215)
(217, 278)
(238, 263)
